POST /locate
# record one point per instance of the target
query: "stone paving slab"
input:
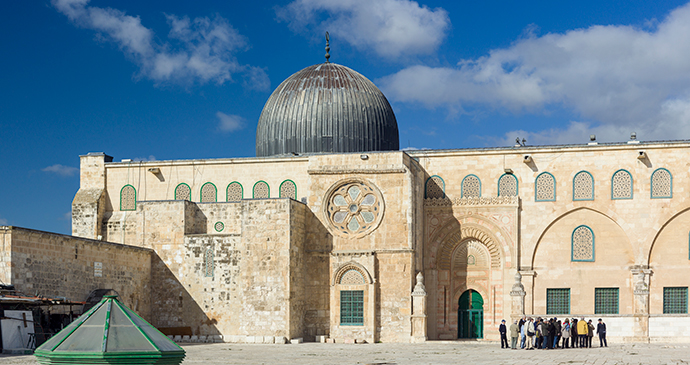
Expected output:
(424, 353)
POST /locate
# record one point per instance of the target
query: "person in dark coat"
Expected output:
(504, 334)
(557, 332)
(573, 333)
(590, 333)
(601, 331)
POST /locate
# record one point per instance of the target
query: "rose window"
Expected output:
(354, 209)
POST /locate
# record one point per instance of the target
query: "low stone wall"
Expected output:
(55, 265)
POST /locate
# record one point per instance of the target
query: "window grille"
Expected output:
(435, 188)
(621, 185)
(545, 187)
(471, 187)
(128, 198)
(288, 189)
(352, 277)
(582, 244)
(676, 300)
(209, 193)
(558, 301)
(208, 262)
(583, 186)
(507, 185)
(662, 184)
(261, 190)
(183, 192)
(351, 307)
(606, 301)
(234, 192)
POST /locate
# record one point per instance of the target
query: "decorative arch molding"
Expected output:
(661, 229)
(460, 237)
(561, 213)
(500, 238)
(471, 253)
(351, 265)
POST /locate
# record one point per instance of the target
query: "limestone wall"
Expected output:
(54, 265)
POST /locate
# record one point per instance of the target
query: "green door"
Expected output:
(471, 315)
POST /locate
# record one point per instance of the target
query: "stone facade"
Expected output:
(52, 265)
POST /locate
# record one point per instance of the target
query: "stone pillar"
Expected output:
(518, 295)
(88, 205)
(641, 276)
(419, 311)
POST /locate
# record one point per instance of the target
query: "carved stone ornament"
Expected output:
(419, 288)
(353, 208)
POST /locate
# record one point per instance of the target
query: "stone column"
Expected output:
(641, 276)
(419, 311)
(518, 295)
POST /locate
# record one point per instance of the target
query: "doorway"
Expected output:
(471, 315)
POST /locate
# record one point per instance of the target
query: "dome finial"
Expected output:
(328, 48)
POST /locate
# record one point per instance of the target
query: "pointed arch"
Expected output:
(545, 187)
(621, 185)
(234, 192)
(661, 184)
(458, 237)
(508, 185)
(261, 190)
(583, 186)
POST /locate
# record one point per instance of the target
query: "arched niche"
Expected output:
(555, 266)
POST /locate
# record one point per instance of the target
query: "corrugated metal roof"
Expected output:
(326, 108)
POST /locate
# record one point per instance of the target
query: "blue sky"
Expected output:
(179, 79)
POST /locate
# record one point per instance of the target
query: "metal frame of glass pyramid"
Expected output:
(109, 333)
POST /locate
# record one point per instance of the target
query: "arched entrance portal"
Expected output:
(471, 315)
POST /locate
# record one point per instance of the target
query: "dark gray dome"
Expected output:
(326, 108)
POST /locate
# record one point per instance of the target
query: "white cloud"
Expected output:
(618, 78)
(229, 122)
(61, 170)
(390, 28)
(199, 50)
(150, 158)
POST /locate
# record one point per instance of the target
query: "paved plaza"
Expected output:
(425, 353)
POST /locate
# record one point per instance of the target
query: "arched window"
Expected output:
(352, 277)
(582, 244)
(545, 188)
(209, 193)
(507, 185)
(471, 187)
(234, 192)
(583, 186)
(261, 190)
(128, 198)
(662, 184)
(183, 192)
(621, 185)
(435, 188)
(288, 189)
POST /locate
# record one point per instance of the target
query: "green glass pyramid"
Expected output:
(109, 333)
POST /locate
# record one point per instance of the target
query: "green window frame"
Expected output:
(128, 198)
(506, 177)
(176, 193)
(652, 184)
(613, 190)
(228, 192)
(590, 190)
(352, 307)
(676, 300)
(212, 186)
(463, 191)
(578, 251)
(558, 301)
(257, 185)
(606, 300)
(284, 188)
(538, 188)
(428, 193)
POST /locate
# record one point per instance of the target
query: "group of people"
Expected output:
(551, 333)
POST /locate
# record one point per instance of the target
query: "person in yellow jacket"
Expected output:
(582, 330)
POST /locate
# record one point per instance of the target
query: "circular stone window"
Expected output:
(219, 226)
(353, 208)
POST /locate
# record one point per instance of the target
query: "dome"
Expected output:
(326, 108)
